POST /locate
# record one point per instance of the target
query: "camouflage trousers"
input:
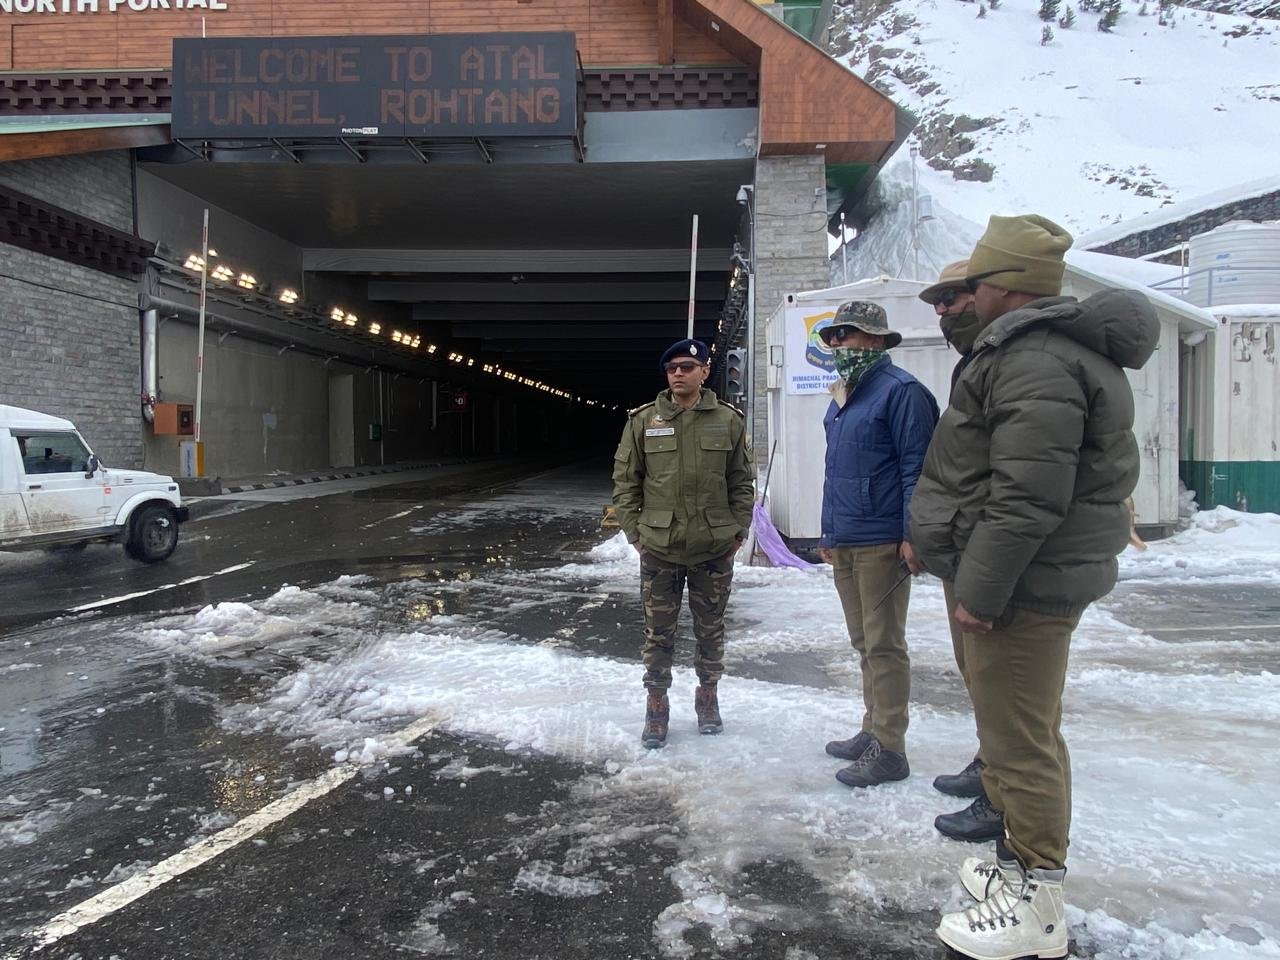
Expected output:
(662, 590)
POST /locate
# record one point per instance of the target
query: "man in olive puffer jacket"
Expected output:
(1021, 509)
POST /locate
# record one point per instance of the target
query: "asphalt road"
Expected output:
(114, 758)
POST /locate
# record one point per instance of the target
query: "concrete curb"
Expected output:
(344, 475)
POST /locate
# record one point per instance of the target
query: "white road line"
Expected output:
(394, 516)
(126, 892)
(1214, 626)
(167, 586)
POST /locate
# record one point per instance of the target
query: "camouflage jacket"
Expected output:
(683, 482)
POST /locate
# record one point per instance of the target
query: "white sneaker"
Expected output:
(1017, 920)
(981, 878)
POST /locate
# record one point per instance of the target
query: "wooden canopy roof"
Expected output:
(809, 103)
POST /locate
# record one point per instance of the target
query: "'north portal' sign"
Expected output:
(450, 85)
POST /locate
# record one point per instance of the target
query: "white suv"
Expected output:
(54, 493)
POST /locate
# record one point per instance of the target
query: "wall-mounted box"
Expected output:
(174, 419)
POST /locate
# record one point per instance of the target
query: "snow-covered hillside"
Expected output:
(1086, 129)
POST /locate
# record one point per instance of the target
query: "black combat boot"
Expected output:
(850, 749)
(707, 708)
(876, 766)
(978, 822)
(657, 712)
(966, 783)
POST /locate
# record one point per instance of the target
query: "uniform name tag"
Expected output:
(660, 431)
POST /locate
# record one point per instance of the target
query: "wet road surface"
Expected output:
(117, 755)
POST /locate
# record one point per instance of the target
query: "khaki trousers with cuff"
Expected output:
(1016, 674)
(862, 576)
(957, 646)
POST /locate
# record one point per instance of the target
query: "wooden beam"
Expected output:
(666, 32)
(61, 143)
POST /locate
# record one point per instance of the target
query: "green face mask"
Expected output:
(853, 362)
(961, 329)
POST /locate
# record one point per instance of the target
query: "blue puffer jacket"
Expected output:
(876, 445)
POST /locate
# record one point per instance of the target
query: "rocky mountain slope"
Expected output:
(1088, 126)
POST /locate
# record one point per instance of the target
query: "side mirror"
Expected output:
(91, 468)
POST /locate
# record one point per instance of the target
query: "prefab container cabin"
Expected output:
(1155, 386)
(800, 370)
(1231, 410)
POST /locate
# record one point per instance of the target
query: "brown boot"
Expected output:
(708, 709)
(657, 712)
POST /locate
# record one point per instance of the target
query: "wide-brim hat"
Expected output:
(951, 278)
(865, 316)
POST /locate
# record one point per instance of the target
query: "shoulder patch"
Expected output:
(730, 406)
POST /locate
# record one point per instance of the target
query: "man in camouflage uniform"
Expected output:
(683, 485)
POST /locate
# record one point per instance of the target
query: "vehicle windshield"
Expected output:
(52, 453)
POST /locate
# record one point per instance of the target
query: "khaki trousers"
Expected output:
(862, 576)
(1016, 675)
(957, 644)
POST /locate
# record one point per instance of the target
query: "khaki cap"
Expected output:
(1023, 254)
(951, 278)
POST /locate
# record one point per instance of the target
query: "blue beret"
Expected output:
(685, 348)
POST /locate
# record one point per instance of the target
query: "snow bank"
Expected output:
(1163, 810)
(1222, 545)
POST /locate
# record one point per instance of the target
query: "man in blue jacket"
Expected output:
(878, 428)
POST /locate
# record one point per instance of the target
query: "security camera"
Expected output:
(744, 193)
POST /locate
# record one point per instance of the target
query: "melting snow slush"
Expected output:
(1174, 846)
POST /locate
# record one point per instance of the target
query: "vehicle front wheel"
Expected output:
(153, 533)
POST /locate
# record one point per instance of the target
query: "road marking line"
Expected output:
(136, 887)
(1216, 626)
(395, 516)
(168, 586)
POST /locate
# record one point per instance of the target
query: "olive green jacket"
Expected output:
(683, 482)
(1021, 502)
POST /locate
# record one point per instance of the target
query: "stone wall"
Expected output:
(69, 335)
(1143, 242)
(789, 251)
(97, 185)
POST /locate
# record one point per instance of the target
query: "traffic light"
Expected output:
(735, 372)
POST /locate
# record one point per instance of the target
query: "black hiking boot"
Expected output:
(976, 823)
(707, 707)
(850, 749)
(876, 766)
(657, 713)
(966, 783)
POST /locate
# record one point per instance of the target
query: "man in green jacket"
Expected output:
(1021, 509)
(683, 486)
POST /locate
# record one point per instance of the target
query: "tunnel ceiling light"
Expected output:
(223, 272)
(247, 280)
(471, 363)
(289, 296)
(431, 348)
(213, 252)
(337, 314)
(194, 262)
(397, 336)
(351, 320)
(375, 327)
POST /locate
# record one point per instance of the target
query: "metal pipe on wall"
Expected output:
(150, 363)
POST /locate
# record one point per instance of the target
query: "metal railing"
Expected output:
(1209, 286)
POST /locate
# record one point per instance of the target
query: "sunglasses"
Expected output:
(688, 366)
(949, 297)
(971, 283)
